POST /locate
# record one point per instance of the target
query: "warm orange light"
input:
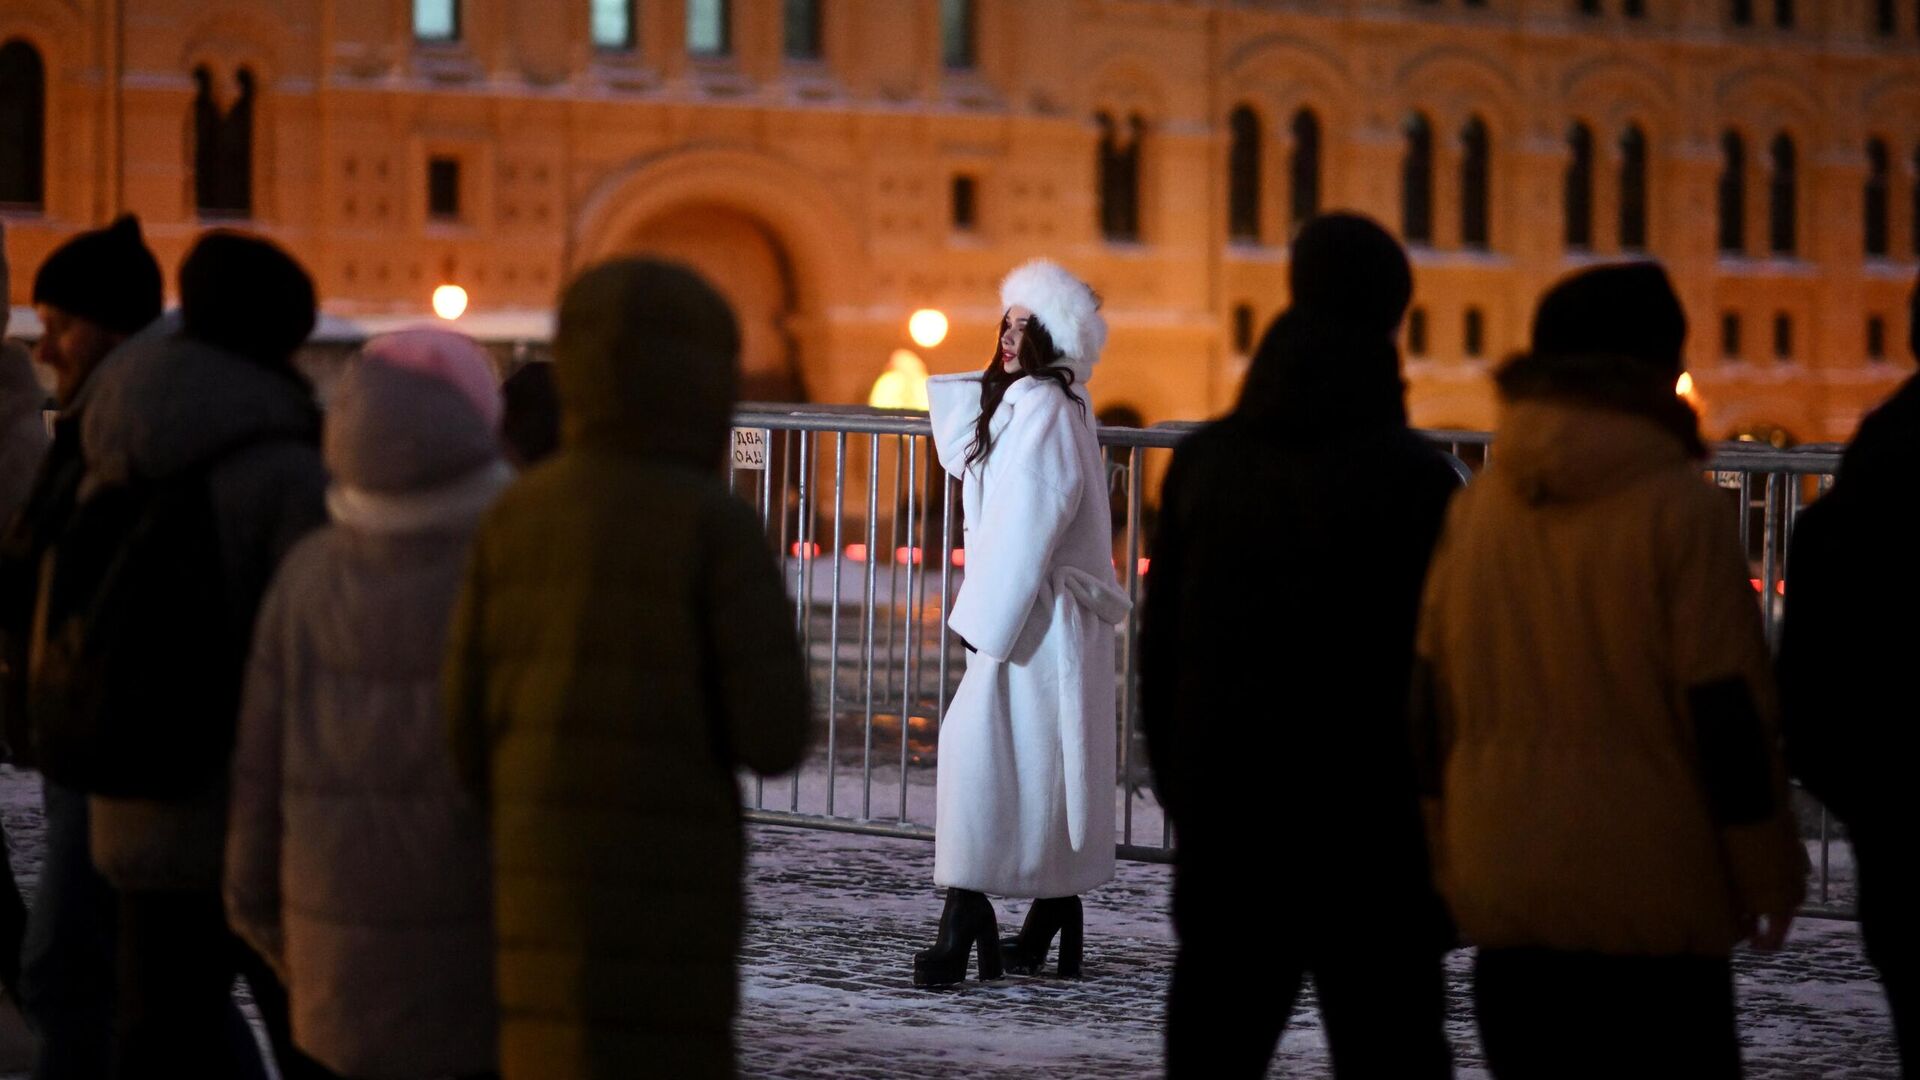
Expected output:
(1684, 387)
(927, 327)
(449, 302)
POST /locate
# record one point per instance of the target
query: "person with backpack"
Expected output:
(203, 469)
(92, 294)
(386, 948)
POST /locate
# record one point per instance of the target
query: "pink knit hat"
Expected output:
(442, 354)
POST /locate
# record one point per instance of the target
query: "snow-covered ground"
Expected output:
(835, 918)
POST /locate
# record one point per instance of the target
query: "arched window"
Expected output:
(1417, 332)
(1474, 334)
(1783, 14)
(1305, 170)
(1416, 182)
(612, 24)
(1877, 201)
(1243, 329)
(1243, 176)
(1476, 167)
(1634, 9)
(802, 31)
(1783, 194)
(959, 34)
(1886, 17)
(223, 147)
(23, 131)
(1733, 194)
(1119, 171)
(709, 27)
(1578, 198)
(1742, 12)
(1633, 189)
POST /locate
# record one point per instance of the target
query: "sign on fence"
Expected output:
(750, 448)
(1726, 479)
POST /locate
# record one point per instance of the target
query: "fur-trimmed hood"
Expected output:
(1066, 306)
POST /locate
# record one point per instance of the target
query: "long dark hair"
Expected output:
(1039, 357)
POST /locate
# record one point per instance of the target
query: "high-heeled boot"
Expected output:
(1027, 954)
(967, 922)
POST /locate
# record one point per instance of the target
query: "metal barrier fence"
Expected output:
(867, 525)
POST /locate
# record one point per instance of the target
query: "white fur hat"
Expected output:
(1065, 305)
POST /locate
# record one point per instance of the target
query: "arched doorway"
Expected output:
(746, 262)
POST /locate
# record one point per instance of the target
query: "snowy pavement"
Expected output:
(827, 989)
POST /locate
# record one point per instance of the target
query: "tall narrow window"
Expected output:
(1417, 332)
(1120, 177)
(1633, 189)
(436, 20)
(1730, 335)
(1474, 334)
(1878, 197)
(803, 30)
(1782, 336)
(612, 24)
(23, 126)
(1634, 9)
(1876, 339)
(1475, 197)
(1305, 170)
(958, 34)
(222, 147)
(1886, 17)
(1578, 198)
(443, 189)
(1783, 14)
(1742, 12)
(1733, 194)
(1243, 329)
(1783, 195)
(1243, 176)
(709, 27)
(1588, 7)
(965, 207)
(1416, 182)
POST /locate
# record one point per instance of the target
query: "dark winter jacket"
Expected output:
(1848, 648)
(1278, 628)
(23, 429)
(166, 408)
(623, 646)
(1598, 707)
(24, 541)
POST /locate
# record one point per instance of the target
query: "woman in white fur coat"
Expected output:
(1026, 772)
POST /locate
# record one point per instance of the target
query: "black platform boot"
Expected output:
(966, 922)
(1027, 954)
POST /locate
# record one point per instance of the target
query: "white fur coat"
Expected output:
(1026, 767)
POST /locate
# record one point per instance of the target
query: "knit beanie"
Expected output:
(245, 294)
(105, 276)
(1627, 310)
(418, 409)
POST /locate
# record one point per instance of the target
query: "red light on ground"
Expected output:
(959, 556)
(907, 555)
(1144, 563)
(857, 552)
(1779, 587)
(806, 551)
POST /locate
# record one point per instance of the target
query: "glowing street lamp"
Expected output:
(449, 302)
(927, 327)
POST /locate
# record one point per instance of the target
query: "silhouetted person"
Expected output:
(1596, 709)
(1276, 648)
(1847, 690)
